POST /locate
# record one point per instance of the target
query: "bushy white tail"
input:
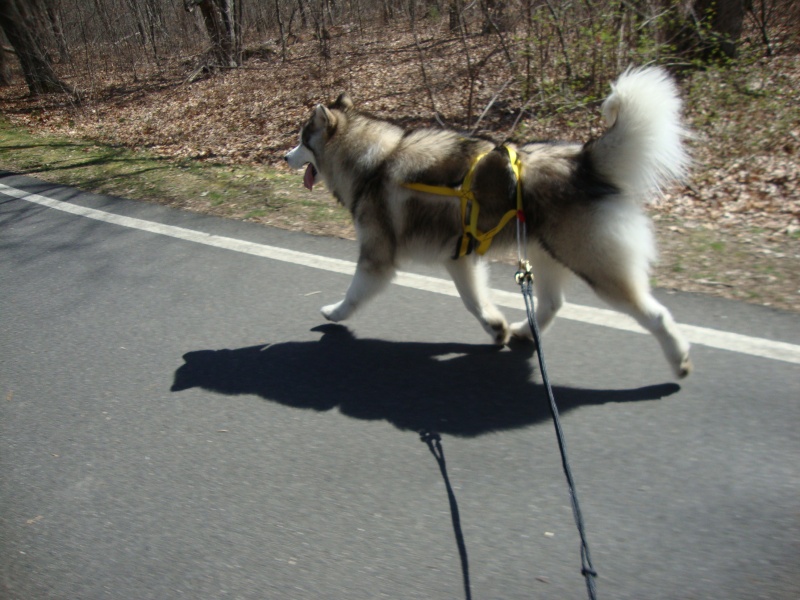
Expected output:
(642, 151)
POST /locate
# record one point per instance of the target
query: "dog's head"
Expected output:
(314, 136)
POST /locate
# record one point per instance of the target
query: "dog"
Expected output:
(583, 203)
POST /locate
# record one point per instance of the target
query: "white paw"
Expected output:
(685, 367)
(499, 331)
(521, 331)
(333, 312)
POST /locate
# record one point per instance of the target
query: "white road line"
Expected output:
(701, 336)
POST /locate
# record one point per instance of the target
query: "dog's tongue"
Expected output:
(308, 178)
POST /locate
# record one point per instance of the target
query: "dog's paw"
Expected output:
(685, 368)
(521, 331)
(499, 332)
(333, 312)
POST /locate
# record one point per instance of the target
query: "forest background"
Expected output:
(193, 103)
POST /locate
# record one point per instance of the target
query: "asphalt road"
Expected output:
(177, 421)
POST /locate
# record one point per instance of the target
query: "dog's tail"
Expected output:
(642, 151)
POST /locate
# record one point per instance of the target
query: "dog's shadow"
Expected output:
(456, 389)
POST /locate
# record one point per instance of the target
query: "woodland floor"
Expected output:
(733, 230)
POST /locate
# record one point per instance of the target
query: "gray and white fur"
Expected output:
(583, 203)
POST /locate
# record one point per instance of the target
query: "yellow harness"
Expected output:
(472, 238)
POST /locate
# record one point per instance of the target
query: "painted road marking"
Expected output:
(702, 336)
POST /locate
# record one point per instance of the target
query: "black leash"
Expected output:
(525, 280)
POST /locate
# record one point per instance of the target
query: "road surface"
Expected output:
(178, 421)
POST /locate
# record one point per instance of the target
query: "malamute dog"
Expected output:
(583, 203)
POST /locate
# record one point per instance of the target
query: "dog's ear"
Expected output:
(343, 102)
(324, 118)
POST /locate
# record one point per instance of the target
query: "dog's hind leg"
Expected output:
(634, 298)
(470, 276)
(549, 277)
(370, 279)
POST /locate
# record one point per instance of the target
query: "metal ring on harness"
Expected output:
(524, 274)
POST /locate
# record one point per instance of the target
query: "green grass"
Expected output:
(717, 246)
(256, 193)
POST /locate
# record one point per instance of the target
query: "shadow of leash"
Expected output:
(434, 443)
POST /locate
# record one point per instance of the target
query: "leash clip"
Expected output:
(524, 273)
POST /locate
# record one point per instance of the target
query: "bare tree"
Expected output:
(705, 29)
(281, 29)
(725, 19)
(5, 77)
(303, 18)
(24, 27)
(149, 19)
(52, 10)
(223, 22)
(496, 17)
(454, 15)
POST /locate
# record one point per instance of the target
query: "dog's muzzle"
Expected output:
(302, 156)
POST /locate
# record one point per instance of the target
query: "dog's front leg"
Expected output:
(371, 277)
(471, 279)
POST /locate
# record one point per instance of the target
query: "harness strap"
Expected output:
(473, 238)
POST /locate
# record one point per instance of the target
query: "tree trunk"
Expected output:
(222, 19)
(454, 15)
(387, 13)
(5, 78)
(54, 20)
(495, 16)
(725, 18)
(705, 29)
(21, 30)
(281, 29)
